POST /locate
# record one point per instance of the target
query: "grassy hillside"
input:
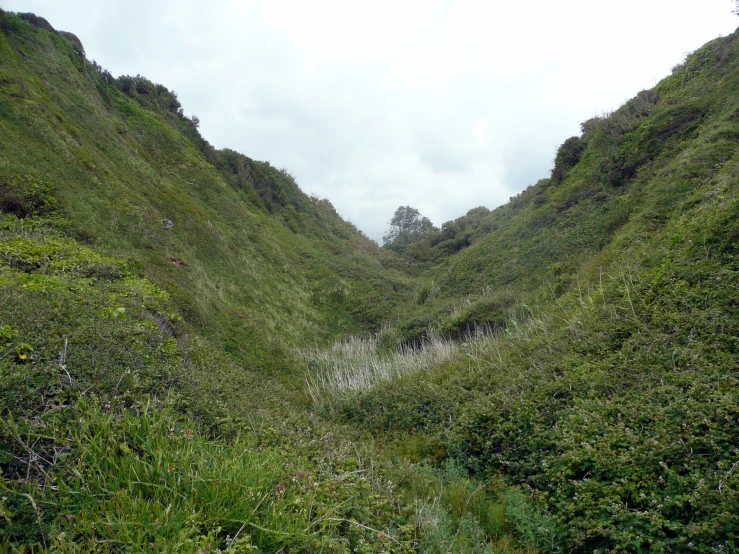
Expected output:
(606, 382)
(249, 259)
(196, 356)
(627, 175)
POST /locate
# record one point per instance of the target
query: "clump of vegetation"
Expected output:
(407, 226)
(148, 477)
(358, 364)
(567, 157)
(23, 197)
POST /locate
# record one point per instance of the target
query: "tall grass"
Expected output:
(148, 480)
(357, 364)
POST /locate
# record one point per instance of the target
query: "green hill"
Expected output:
(609, 389)
(197, 356)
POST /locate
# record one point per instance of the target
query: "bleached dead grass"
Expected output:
(357, 364)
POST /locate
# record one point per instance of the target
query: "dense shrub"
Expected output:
(23, 197)
(37, 21)
(567, 157)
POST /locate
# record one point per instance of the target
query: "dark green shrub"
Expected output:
(23, 197)
(568, 155)
(486, 313)
(37, 21)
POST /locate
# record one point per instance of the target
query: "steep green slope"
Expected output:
(609, 391)
(251, 261)
(629, 172)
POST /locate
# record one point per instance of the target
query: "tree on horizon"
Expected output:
(406, 227)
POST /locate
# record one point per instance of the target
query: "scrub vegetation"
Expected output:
(195, 356)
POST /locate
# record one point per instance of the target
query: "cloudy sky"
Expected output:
(436, 104)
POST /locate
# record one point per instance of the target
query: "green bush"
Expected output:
(24, 197)
(567, 157)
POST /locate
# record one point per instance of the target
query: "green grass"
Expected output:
(149, 480)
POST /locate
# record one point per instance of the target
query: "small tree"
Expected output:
(406, 227)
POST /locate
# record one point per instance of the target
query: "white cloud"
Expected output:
(442, 105)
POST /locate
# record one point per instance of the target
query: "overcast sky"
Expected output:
(440, 105)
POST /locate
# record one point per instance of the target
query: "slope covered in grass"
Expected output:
(252, 261)
(627, 175)
(609, 390)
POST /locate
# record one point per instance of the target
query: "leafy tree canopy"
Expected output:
(406, 227)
